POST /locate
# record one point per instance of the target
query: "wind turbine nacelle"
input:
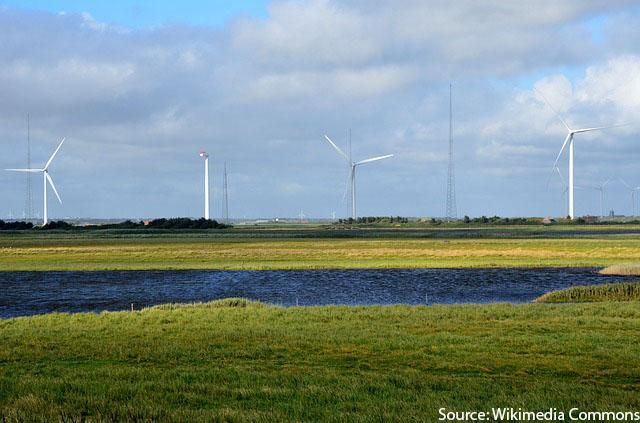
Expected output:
(204, 154)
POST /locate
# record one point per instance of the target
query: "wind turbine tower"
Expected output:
(452, 211)
(46, 179)
(225, 191)
(206, 183)
(29, 206)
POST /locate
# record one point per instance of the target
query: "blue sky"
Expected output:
(257, 84)
(144, 14)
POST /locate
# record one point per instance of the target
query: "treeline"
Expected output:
(178, 223)
(173, 223)
(497, 220)
(373, 219)
(15, 226)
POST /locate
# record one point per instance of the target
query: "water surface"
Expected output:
(28, 293)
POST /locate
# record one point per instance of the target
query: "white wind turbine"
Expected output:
(352, 175)
(205, 155)
(634, 193)
(600, 187)
(569, 140)
(46, 179)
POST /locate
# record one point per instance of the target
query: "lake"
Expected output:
(29, 293)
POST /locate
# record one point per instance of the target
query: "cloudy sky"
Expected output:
(139, 88)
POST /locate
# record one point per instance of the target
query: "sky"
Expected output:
(139, 88)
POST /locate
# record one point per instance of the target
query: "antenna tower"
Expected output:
(452, 212)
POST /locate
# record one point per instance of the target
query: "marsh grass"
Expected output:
(622, 270)
(237, 360)
(625, 291)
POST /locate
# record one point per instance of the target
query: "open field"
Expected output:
(256, 362)
(320, 247)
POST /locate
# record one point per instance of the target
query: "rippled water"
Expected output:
(28, 293)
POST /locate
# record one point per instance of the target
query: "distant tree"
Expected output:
(467, 219)
(57, 224)
(15, 226)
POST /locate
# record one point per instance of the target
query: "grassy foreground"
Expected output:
(240, 361)
(246, 250)
(627, 291)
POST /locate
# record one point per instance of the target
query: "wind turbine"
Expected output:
(206, 183)
(634, 192)
(46, 179)
(352, 175)
(600, 187)
(569, 140)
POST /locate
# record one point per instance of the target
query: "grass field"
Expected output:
(257, 249)
(235, 361)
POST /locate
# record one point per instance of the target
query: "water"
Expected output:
(28, 293)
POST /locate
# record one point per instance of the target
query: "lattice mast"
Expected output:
(452, 212)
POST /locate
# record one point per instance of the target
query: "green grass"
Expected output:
(625, 291)
(241, 361)
(261, 249)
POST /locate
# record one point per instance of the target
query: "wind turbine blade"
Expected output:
(577, 131)
(554, 110)
(347, 185)
(54, 154)
(625, 184)
(24, 170)
(53, 186)
(337, 149)
(374, 159)
(564, 183)
(564, 144)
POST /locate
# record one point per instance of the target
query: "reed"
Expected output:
(626, 291)
(632, 269)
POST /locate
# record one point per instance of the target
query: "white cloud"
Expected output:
(260, 93)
